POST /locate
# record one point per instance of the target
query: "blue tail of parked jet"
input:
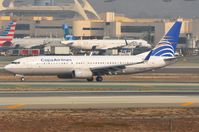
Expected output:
(67, 34)
(168, 44)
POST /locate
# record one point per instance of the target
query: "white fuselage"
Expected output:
(56, 65)
(32, 42)
(105, 44)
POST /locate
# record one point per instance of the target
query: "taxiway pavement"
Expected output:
(96, 100)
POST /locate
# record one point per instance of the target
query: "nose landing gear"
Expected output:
(22, 79)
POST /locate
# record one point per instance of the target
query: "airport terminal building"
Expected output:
(44, 18)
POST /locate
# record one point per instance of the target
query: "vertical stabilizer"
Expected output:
(168, 44)
(67, 33)
(8, 34)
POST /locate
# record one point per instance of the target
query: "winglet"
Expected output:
(126, 42)
(148, 56)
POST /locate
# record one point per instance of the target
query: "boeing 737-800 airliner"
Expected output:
(86, 67)
(103, 44)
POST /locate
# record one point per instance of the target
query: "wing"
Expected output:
(107, 70)
(110, 70)
(114, 69)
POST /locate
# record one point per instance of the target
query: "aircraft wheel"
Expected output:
(22, 79)
(90, 79)
(99, 79)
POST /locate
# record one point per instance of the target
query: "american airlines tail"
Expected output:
(7, 35)
(168, 44)
(67, 34)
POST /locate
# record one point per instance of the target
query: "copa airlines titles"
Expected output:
(54, 60)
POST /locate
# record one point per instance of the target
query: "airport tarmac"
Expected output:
(43, 93)
(179, 69)
(90, 100)
(135, 96)
(94, 86)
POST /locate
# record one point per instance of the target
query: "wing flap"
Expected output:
(107, 69)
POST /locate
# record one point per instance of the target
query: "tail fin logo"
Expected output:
(167, 45)
(67, 33)
(8, 34)
(164, 48)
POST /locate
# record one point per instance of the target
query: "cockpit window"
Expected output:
(15, 62)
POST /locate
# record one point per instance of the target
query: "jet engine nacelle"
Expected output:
(79, 73)
(7, 44)
(65, 76)
(82, 73)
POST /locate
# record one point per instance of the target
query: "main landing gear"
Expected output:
(98, 79)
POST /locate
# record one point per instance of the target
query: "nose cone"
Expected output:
(8, 68)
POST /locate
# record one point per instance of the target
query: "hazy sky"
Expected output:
(150, 8)
(147, 8)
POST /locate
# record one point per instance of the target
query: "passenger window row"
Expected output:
(89, 63)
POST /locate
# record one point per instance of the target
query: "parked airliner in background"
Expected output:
(29, 42)
(7, 40)
(105, 44)
(86, 67)
(7, 35)
(101, 44)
